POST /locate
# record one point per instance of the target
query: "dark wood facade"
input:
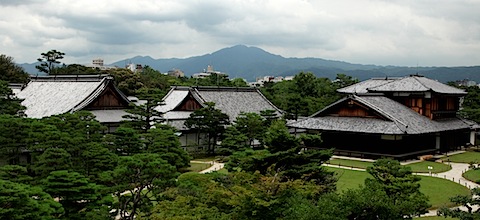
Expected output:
(394, 146)
(108, 99)
(188, 104)
(351, 108)
(437, 106)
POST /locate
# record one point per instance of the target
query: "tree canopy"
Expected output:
(11, 72)
(9, 104)
(49, 61)
(306, 93)
(210, 121)
(21, 201)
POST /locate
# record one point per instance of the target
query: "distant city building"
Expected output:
(208, 72)
(260, 81)
(134, 67)
(176, 73)
(98, 63)
(466, 82)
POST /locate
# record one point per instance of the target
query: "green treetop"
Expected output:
(210, 121)
(49, 60)
(10, 72)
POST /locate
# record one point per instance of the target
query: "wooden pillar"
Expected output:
(473, 137)
(437, 141)
(186, 139)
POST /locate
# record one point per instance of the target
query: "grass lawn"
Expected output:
(422, 167)
(197, 167)
(472, 175)
(435, 218)
(351, 163)
(349, 179)
(438, 190)
(223, 170)
(205, 159)
(466, 157)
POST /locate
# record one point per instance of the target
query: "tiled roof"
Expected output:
(177, 114)
(230, 100)
(399, 119)
(173, 98)
(234, 101)
(109, 116)
(16, 87)
(178, 124)
(416, 84)
(405, 84)
(363, 86)
(52, 95)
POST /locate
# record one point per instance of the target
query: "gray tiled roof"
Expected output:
(16, 87)
(231, 101)
(53, 95)
(173, 98)
(405, 84)
(177, 114)
(47, 98)
(109, 116)
(416, 84)
(178, 124)
(363, 86)
(399, 119)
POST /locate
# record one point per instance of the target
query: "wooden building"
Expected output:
(394, 117)
(45, 96)
(181, 101)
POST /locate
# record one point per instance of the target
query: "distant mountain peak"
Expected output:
(250, 62)
(246, 52)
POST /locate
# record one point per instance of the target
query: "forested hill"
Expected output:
(251, 62)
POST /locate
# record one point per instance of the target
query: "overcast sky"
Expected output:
(389, 32)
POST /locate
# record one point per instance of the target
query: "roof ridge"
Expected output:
(71, 78)
(172, 88)
(223, 88)
(416, 78)
(391, 117)
(386, 83)
(327, 107)
(87, 100)
(169, 92)
(268, 101)
(197, 95)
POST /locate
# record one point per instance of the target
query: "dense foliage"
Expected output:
(138, 82)
(305, 94)
(209, 121)
(471, 103)
(49, 61)
(10, 72)
(9, 104)
(67, 167)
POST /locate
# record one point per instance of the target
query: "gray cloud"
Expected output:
(17, 2)
(440, 33)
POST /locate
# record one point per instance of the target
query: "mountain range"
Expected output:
(251, 62)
